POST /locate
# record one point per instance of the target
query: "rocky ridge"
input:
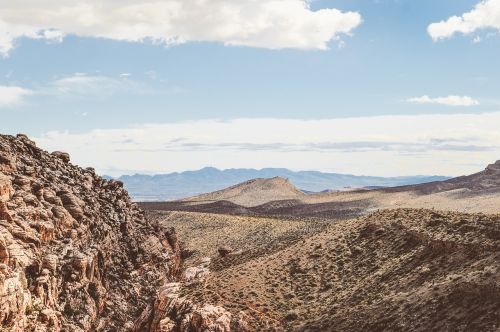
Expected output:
(75, 253)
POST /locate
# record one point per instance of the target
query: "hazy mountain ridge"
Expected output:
(191, 183)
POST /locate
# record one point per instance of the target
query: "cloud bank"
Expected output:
(12, 95)
(273, 24)
(447, 101)
(486, 14)
(386, 145)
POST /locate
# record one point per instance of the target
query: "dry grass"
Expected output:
(204, 233)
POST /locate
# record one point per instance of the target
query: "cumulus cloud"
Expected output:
(486, 14)
(273, 24)
(386, 145)
(12, 95)
(448, 101)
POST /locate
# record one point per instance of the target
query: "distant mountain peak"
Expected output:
(209, 179)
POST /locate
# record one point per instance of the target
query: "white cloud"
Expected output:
(79, 86)
(82, 85)
(386, 145)
(486, 14)
(273, 24)
(448, 101)
(12, 95)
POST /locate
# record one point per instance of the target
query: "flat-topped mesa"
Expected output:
(76, 254)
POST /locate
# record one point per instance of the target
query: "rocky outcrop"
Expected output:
(75, 253)
(171, 312)
(5, 188)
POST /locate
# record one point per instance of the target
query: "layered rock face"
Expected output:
(75, 253)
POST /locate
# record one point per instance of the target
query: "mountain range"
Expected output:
(191, 183)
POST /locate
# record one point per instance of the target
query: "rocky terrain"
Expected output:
(365, 260)
(204, 233)
(77, 255)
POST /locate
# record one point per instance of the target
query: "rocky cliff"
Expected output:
(75, 253)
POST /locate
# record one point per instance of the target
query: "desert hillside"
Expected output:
(397, 259)
(394, 270)
(475, 193)
(253, 192)
(76, 254)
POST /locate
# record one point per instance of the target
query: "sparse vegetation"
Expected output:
(390, 270)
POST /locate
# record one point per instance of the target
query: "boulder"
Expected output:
(64, 156)
(71, 203)
(7, 162)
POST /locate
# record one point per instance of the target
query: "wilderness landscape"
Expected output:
(166, 187)
(249, 165)
(420, 258)
(77, 254)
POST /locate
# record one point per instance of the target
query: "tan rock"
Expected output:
(6, 190)
(64, 156)
(65, 264)
(211, 318)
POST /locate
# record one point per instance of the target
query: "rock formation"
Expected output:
(75, 253)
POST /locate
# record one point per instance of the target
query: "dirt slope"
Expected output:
(252, 193)
(395, 270)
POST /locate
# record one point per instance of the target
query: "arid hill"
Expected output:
(252, 193)
(394, 270)
(478, 192)
(172, 186)
(308, 264)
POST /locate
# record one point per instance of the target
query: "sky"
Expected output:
(372, 87)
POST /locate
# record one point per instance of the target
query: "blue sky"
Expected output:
(387, 65)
